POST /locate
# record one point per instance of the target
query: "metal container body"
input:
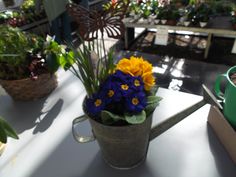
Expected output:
(123, 147)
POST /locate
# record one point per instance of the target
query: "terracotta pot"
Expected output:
(234, 26)
(171, 22)
(28, 89)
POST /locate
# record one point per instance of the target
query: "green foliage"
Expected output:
(190, 12)
(233, 20)
(88, 64)
(162, 13)
(14, 47)
(54, 54)
(168, 12)
(192, 2)
(6, 131)
(146, 13)
(12, 41)
(136, 118)
(28, 5)
(203, 12)
(22, 54)
(134, 8)
(110, 118)
(222, 7)
(152, 103)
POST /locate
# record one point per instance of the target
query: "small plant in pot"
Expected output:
(233, 21)
(134, 9)
(189, 15)
(172, 15)
(203, 12)
(162, 14)
(146, 12)
(203, 20)
(5, 131)
(28, 63)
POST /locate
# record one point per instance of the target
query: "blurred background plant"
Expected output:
(24, 55)
(22, 15)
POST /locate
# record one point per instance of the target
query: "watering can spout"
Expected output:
(208, 97)
(171, 121)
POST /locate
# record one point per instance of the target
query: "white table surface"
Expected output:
(46, 147)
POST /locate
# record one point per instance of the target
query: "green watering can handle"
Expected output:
(217, 89)
(80, 138)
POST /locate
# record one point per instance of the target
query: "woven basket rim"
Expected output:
(28, 78)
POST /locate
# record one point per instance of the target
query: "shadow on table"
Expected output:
(221, 157)
(24, 115)
(72, 159)
(45, 123)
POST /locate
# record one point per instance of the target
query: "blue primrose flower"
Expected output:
(95, 104)
(136, 102)
(137, 83)
(120, 76)
(124, 83)
(111, 90)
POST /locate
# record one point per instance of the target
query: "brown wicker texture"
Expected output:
(28, 89)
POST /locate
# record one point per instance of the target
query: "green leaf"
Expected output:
(3, 135)
(153, 99)
(67, 60)
(8, 130)
(52, 63)
(152, 103)
(136, 119)
(153, 91)
(109, 118)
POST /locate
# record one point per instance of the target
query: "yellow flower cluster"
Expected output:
(136, 66)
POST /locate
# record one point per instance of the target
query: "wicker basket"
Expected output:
(28, 89)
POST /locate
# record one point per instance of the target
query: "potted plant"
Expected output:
(203, 12)
(233, 21)
(189, 15)
(135, 9)
(172, 15)
(222, 8)
(146, 12)
(120, 97)
(27, 63)
(162, 14)
(5, 131)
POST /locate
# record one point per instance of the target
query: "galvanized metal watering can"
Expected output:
(125, 147)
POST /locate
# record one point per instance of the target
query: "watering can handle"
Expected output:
(79, 138)
(219, 93)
